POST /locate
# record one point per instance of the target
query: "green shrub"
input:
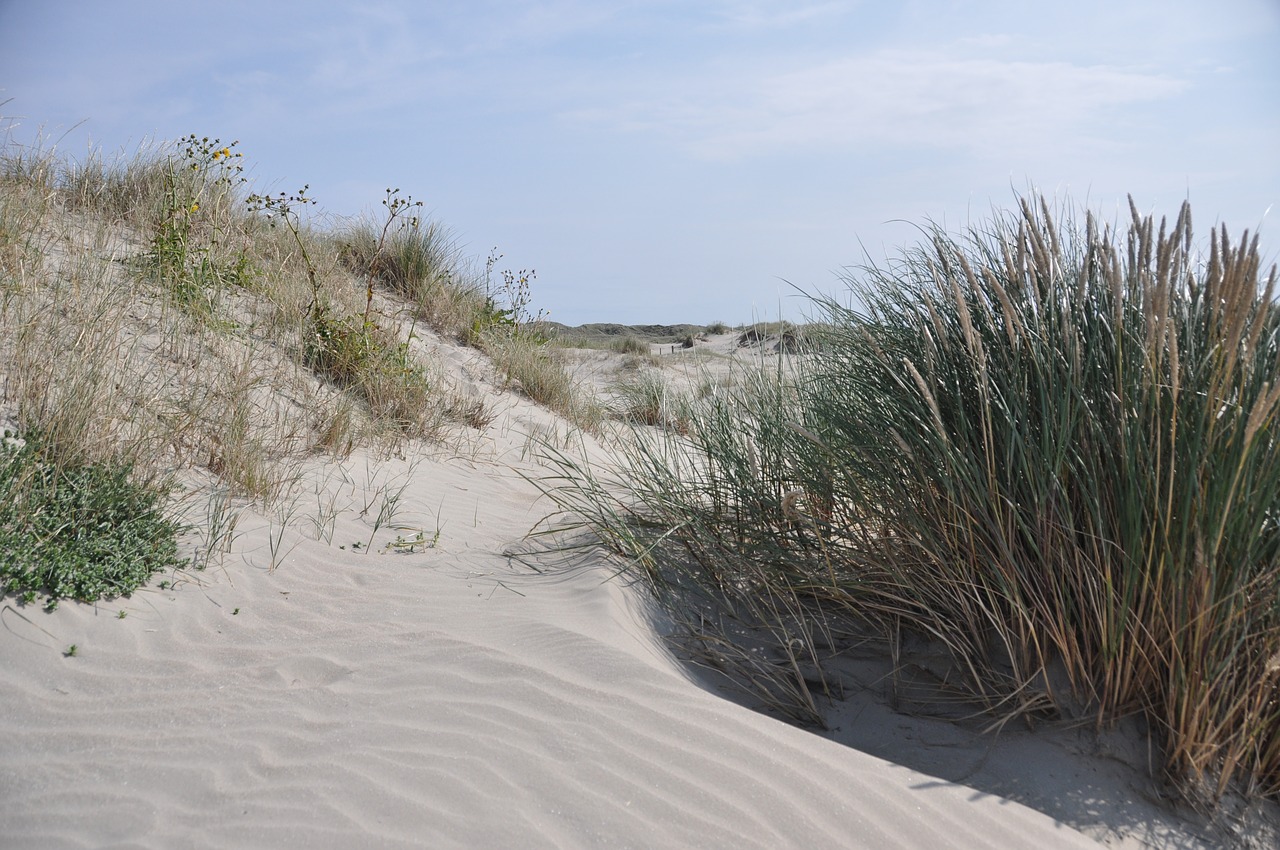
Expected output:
(83, 532)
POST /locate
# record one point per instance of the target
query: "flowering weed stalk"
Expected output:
(193, 219)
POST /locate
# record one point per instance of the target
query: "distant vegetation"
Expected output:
(1052, 448)
(609, 335)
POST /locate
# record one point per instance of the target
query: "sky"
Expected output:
(659, 161)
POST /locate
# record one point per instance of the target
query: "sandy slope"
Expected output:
(443, 697)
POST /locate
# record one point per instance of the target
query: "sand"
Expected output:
(316, 687)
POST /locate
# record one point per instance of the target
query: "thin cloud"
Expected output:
(759, 14)
(885, 98)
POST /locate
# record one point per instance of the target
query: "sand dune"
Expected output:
(449, 696)
(372, 656)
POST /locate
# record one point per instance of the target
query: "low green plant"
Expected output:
(491, 318)
(82, 531)
(360, 354)
(409, 545)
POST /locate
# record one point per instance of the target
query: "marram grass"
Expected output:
(1051, 446)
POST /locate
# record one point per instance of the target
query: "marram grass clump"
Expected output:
(1051, 447)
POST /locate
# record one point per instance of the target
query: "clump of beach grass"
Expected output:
(631, 345)
(420, 261)
(1052, 447)
(648, 399)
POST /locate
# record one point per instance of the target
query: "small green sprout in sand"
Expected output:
(412, 544)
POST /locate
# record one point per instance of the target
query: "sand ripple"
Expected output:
(431, 700)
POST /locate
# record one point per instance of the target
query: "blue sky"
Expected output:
(661, 161)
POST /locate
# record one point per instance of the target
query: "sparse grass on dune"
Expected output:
(24, 240)
(421, 262)
(158, 319)
(535, 368)
(1052, 448)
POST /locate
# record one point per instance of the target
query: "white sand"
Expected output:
(445, 697)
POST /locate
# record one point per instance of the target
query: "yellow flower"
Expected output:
(195, 207)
